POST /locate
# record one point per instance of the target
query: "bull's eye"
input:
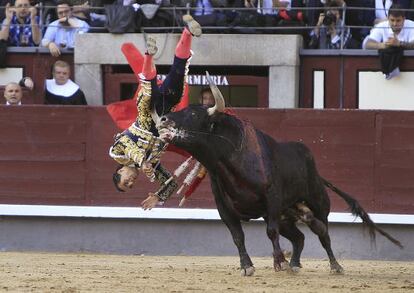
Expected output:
(212, 127)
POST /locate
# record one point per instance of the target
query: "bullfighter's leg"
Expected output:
(273, 221)
(149, 71)
(233, 224)
(289, 230)
(173, 84)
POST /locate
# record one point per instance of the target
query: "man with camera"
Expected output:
(21, 25)
(330, 29)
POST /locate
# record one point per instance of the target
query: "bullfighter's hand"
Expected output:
(150, 202)
(148, 170)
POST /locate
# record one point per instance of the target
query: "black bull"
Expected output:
(254, 176)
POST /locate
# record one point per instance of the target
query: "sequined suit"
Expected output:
(140, 141)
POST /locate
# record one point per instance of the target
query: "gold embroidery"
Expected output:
(133, 149)
(144, 119)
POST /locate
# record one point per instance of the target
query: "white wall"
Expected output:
(375, 92)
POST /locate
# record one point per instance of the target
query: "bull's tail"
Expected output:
(357, 210)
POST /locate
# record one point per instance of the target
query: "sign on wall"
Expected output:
(198, 79)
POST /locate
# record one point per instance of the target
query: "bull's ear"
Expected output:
(218, 97)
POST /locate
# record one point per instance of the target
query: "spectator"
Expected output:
(330, 28)
(381, 9)
(21, 25)
(312, 15)
(61, 32)
(61, 90)
(206, 97)
(391, 38)
(82, 11)
(396, 32)
(13, 94)
(26, 82)
(267, 10)
(207, 13)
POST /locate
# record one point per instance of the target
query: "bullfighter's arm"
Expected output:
(167, 187)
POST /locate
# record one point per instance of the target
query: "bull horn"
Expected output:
(220, 105)
(155, 116)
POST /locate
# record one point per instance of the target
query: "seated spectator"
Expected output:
(13, 92)
(382, 8)
(327, 32)
(82, 12)
(61, 90)
(396, 32)
(61, 33)
(268, 10)
(21, 25)
(268, 6)
(27, 82)
(207, 13)
(312, 15)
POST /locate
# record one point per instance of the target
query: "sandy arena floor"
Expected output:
(47, 272)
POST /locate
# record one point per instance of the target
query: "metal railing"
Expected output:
(175, 25)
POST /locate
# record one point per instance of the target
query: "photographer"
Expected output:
(329, 29)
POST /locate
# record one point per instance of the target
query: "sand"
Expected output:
(57, 272)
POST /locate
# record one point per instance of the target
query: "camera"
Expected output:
(329, 19)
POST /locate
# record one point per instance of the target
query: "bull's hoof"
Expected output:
(284, 266)
(247, 272)
(337, 270)
(294, 270)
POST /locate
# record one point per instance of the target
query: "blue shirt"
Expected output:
(64, 36)
(21, 35)
(204, 7)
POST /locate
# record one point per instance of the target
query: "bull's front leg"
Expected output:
(236, 230)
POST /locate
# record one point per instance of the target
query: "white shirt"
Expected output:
(60, 34)
(18, 104)
(382, 32)
(266, 6)
(381, 10)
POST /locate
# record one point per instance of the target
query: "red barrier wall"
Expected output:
(59, 155)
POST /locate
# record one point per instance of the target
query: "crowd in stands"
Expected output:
(324, 24)
(54, 23)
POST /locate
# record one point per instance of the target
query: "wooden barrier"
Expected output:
(59, 155)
